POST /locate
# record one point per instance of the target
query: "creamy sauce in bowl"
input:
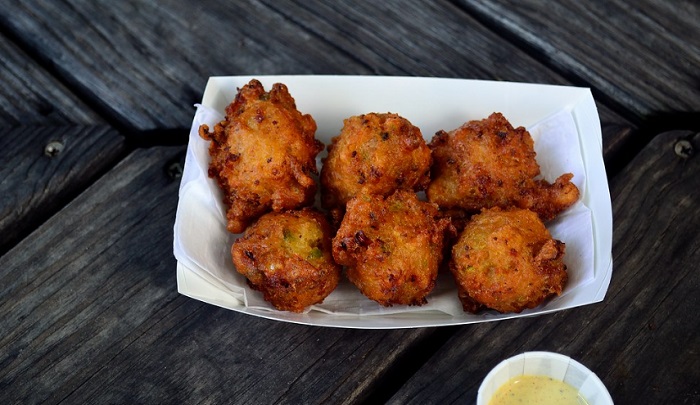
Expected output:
(536, 389)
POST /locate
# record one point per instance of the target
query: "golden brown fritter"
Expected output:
(488, 163)
(263, 155)
(507, 261)
(392, 246)
(287, 256)
(376, 154)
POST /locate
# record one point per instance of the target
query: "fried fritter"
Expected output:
(377, 154)
(287, 256)
(263, 155)
(488, 163)
(507, 260)
(392, 246)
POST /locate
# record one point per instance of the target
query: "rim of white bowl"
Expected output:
(603, 399)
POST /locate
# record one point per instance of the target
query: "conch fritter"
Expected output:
(392, 246)
(263, 155)
(287, 256)
(507, 260)
(377, 154)
(488, 163)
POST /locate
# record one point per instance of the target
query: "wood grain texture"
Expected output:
(639, 55)
(154, 58)
(31, 96)
(657, 247)
(88, 302)
(420, 39)
(34, 185)
(91, 314)
(199, 353)
(434, 39)
(642, 339)
(62, 286)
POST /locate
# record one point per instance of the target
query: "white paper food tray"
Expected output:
(563, 122)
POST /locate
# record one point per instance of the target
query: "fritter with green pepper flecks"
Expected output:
(376, 154)
(507, 260)
(392, 246)
(287, 256)
(263, 155)
(488, 163)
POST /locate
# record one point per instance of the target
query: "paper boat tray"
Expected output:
(563, 122)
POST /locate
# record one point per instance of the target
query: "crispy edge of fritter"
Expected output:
(483, 184)
(346, 171)
(300, 281)
(376, 260)
(476, 271)
(250, 196)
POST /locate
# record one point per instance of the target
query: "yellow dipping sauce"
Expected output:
(536, 389)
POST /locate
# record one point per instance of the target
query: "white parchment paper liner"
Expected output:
(567, 138)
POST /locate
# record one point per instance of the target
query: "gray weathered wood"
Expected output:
(31, 96)
(43, 167)
(88, 306)
(419, 39)
(90, 314)
(155, 59)
(426, 39)
(640, 55)
(642, 339)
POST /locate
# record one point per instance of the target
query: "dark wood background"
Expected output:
(95, 106)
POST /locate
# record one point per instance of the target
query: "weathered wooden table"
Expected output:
(95, 106)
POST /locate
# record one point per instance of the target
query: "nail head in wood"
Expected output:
(175, 170)
(53, 148)
(683, 148)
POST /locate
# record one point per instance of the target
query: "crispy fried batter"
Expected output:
(287, 256)
(488, 163)
(263, 155)
(392, 246)
(377, 154)
(507, 261)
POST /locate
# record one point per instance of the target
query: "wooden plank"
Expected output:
(148, 83)
(639, 55)
(428, 39)
(642, 339)
(44, 167)
(213, 355)
(31, 96)
(155, 58)
(425, 39)
(90, 314)
(59, 300)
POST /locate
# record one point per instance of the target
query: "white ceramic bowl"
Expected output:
(555, 365)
